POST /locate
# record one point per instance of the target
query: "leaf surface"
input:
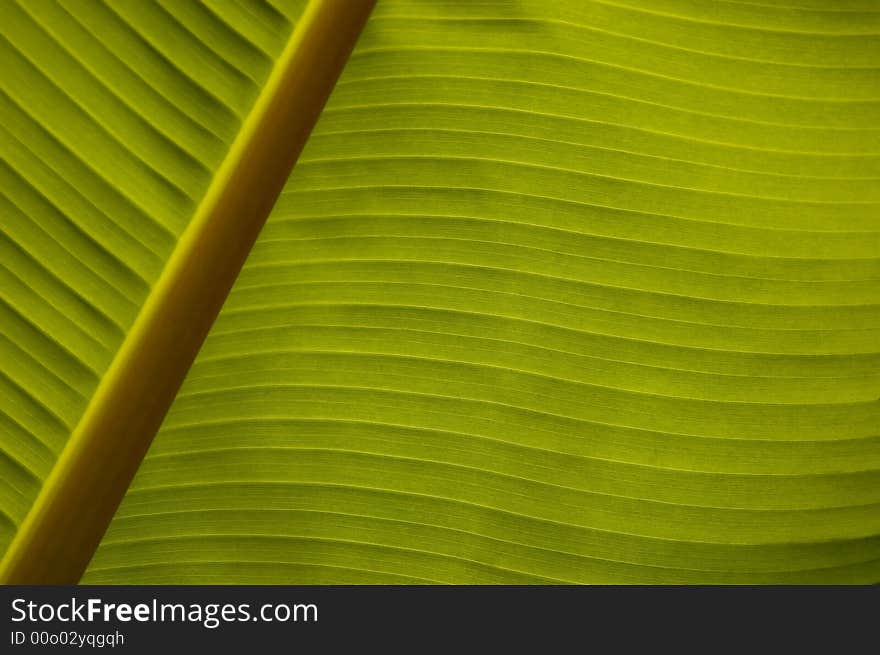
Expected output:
(573, 291)
(142, 145)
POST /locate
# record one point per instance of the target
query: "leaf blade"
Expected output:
(132, 386)
(593, 315)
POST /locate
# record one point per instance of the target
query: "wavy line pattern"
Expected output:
(114, 118)
(571, 292)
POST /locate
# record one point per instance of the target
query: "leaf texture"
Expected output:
(115, 119)
(573, 292)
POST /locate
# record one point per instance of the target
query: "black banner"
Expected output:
(415, 619)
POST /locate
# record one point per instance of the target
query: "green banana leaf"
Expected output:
(580, 291)
(114, 120)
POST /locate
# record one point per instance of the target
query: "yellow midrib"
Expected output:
(56, 540)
